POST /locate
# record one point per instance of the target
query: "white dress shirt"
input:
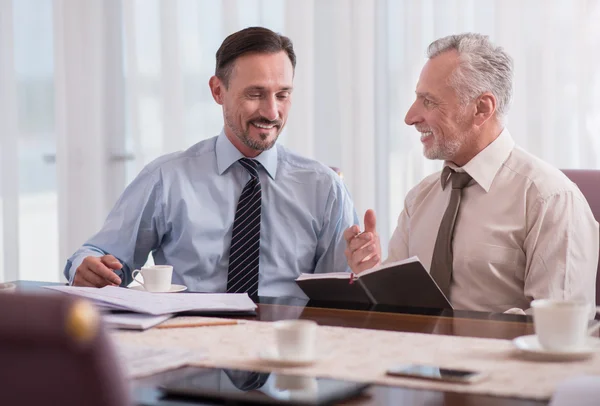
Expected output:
(524, 231)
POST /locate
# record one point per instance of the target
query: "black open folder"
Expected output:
(402, 283)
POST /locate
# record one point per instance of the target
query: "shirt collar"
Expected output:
(485, 165)
(228, 154)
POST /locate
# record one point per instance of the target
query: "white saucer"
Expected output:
(172, 289)
(530, 345)
(271, 357)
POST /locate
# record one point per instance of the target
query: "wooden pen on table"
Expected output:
(198, 322)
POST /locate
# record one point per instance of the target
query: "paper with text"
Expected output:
(161, 303)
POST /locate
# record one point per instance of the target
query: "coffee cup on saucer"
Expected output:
(157, 278)
(562, 325)
(296, 339)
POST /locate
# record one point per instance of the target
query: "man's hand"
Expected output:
(363, 250)
(97, 272)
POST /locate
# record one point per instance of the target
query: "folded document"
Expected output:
(115, 298)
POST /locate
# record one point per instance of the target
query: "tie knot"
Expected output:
(251, 166)
(460, 180)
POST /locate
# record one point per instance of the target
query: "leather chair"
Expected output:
(588, 181)
(53, 350)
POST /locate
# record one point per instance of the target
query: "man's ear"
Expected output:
(217, 89)
(485, 108)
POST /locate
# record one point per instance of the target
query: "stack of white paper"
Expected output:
(134, 321)
(113, 297)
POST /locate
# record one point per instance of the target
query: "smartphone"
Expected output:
(436, 373)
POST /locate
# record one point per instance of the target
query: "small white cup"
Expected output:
(157, 278)
(303, 389)
(296, 339)
(562, 325)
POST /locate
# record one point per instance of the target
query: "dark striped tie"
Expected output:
(245, 237)
(247, 380)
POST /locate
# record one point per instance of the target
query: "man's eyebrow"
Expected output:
(262, 89)
(426, 95)
(255, 88)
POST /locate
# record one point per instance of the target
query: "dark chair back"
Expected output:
(54, 351)
(588, 181)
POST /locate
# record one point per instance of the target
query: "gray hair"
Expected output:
(483, 67)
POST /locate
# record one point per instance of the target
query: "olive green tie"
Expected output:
(441, 262)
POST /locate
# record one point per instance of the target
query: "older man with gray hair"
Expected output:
(497, 227)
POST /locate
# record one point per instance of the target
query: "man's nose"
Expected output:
(268, 109)
(412, 115)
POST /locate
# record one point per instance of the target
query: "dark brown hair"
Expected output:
(250, 40)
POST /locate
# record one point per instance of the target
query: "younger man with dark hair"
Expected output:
(232, 213)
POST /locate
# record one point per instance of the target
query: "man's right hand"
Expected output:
(98, 272)
(363, 250)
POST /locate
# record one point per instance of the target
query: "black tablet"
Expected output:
(261, 387)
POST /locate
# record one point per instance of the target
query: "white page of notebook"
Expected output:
(389, 265)
(330, 275)
(346, 275)
(162, 303)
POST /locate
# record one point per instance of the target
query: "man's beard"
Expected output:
(448, 147)
(244, 136)
(445, 150)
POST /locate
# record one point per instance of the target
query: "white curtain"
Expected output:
(556, 110)
(171, 56)
(92, 90)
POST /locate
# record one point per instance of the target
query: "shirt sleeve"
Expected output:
(339, 214)
(398, 246)
(562, 249)
(133, 228)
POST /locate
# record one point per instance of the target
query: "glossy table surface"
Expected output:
(430, 321)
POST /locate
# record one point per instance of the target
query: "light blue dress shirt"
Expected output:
(181, 208)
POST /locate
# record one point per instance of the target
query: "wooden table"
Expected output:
(460, 323)
(471, 324)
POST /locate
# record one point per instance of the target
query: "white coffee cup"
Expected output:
(157, 278)
(296, 339)
(303, 389)
(562, 325)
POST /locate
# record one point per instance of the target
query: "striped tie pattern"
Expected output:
(244, 252)
(246, 380)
